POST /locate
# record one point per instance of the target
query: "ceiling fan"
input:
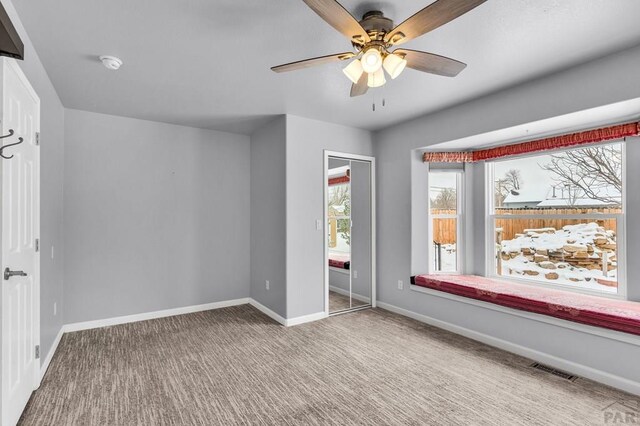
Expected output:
(375, 34)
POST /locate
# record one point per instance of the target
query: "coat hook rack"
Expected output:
(20, 140)
(6, 136)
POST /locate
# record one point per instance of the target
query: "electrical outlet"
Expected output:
(355, 274)
(266, 284)
(55, 309)
(51, 252)
(400, 285)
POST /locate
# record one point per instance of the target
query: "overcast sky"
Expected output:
(532, 174)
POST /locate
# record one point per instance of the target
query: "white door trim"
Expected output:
(325, 185)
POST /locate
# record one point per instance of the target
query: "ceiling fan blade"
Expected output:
(340, 19)
(312, 62)
(430, 18)
(362, 86)
(431, 63)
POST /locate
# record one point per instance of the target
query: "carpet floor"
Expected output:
(236, 366)
(340, 302)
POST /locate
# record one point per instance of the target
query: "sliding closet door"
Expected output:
(339, 234)
(361, 267)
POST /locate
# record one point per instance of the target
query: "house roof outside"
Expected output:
(560, 196)
(532, 194)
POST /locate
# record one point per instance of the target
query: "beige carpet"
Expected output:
(339, 302)
(236, 366)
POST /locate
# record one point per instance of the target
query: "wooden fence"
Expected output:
(444, 230)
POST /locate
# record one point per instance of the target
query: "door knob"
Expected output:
(8, 273)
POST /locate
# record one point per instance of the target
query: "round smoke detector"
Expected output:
(111, 62)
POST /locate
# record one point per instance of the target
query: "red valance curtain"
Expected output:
(564, 141)
(338, 180)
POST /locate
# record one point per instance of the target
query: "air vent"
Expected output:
(553, 371)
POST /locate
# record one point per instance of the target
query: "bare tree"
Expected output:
(513, 179)
(339, 196)
(445, 200)
(510, 183)
(590, 172)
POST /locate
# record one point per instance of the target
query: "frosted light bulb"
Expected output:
(371, 60)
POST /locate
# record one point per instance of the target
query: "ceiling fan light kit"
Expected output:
(371, 60)
(375, 35)
(394, 65)
(376, 79)
(354, 71)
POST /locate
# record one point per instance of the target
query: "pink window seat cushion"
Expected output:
(342, 261)
(619, 315)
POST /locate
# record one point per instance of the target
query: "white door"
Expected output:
(20, 228)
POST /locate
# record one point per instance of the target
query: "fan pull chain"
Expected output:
(383, 98)
(384, 101)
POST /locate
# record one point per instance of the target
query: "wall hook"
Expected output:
(20, 140)
(6, 136)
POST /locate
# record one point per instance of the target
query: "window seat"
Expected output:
(340, 261)
(596, 311)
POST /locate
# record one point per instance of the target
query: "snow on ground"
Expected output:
(588, 238)
(448, 258)
(584, 233)
(586, 278)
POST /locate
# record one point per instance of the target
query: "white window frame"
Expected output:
(459, 222)
(491, 217)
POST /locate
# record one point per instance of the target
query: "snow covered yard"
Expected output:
(448, 258)
(582, 256)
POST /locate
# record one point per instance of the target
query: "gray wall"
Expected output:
(156, 216)
(604, 81)
(632, 214)
(306, 141)
(51, 182)
(339, 279)
(268, 215)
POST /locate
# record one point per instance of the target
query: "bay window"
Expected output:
(557, 219)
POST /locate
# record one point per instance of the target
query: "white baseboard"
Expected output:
(268, 312)
(284, 321)
(86, 325)
(45, 365)
(556, 362)
(305, 318)
(344, 292)
(106, 322)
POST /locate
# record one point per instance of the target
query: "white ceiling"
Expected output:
(206, 63)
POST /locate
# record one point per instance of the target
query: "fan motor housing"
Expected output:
(376, 24)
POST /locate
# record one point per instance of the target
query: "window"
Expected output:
(557, 219)
(445, 224)
(339, 209)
